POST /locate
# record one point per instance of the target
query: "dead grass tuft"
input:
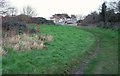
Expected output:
(2, 52)
(26, 42)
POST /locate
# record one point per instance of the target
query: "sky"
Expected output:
(47, 8)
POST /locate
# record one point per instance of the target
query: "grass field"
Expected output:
(67, 52)
(68, 48)
(106, 62)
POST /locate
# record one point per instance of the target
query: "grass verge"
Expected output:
(106, 62)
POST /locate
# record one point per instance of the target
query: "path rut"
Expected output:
(92, 55)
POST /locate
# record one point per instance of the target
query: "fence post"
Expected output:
(38, 27)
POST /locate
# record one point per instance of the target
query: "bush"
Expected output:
(38, 20)
(13, 27)
(49, 22)
(32, 31)
(41, 20)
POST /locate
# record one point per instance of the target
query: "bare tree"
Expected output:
(11, 11)
(28, 10)
(2, 3)
(3, 7)
(80, 17)
(118, 6)
(112, 6)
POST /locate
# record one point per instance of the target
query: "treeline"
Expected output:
(27, 14)
(28, 19)
(13, 24)
(107, 17)
(17, 24)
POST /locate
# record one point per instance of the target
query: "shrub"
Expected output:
(49, 22)
(41, 20)
(12, 27)
(32, 31)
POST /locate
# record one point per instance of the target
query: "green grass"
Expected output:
(106, 61)
(64, 53)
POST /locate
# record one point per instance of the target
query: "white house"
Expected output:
(64, 19)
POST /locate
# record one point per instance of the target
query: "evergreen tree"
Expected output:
(103, 12)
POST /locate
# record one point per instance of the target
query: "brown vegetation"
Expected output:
(2, 52)
(26, 42)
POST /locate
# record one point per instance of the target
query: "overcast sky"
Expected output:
(46, 8)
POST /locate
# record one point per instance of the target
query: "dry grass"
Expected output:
(26, 42)
(2, 52)
(49, 38)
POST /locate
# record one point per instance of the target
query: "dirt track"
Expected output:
(103, 57)
(94, 52)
